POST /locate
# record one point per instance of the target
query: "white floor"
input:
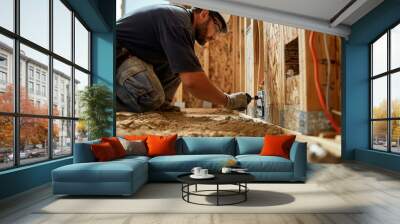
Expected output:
(376, 189)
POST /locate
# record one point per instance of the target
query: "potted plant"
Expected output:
(96, 104)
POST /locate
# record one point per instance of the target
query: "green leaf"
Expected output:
(96, 103)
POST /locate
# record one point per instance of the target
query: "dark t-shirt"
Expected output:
(161, 35)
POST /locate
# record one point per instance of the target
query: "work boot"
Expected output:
(169, 108)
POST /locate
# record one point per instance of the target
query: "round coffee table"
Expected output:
(238, 179)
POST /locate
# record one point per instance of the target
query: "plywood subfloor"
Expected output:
(216, 122)
(192, 122)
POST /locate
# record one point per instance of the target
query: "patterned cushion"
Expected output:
(135, 147)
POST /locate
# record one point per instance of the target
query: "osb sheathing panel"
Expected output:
(292, 91)
(280, 90)
(217, 61)
(235, 53)
(221, 61)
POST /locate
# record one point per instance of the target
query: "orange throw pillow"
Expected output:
(136, 137)
(161, 145)
(103, 151)
(277, 145)
(116, 145)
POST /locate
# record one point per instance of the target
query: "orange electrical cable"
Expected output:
(327, 114)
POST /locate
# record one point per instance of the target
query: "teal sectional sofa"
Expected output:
(125, 176)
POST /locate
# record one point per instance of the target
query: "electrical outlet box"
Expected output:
(260, 110)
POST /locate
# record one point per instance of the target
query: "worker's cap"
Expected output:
(222, 19)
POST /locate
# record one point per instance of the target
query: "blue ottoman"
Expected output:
(119, 177)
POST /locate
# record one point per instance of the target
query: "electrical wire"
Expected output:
(328, 76)
(327, 114)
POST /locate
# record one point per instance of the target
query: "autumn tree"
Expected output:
(380, 127)
(6, 122)
(396, 123)
(33, 131)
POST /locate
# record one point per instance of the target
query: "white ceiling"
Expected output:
(317, 15)
(322, 9)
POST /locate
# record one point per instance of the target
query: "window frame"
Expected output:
(16, 114)
(388, 74)
(3, 71)
(5, 58)
(3, 74)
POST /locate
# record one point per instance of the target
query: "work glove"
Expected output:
(237, 101)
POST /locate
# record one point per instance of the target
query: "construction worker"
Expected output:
(155, 53)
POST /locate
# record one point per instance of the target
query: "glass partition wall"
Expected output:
(44, 64)
(385, 91)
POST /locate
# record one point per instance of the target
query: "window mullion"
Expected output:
(50, 81)
(371, 89)
(16, 70)
(389, 112)
(371, 97)
(89, 55)
(73, 82)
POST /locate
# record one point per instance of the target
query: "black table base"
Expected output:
(241, 191)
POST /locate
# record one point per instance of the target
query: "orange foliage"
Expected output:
(33, 130)
(380, 111)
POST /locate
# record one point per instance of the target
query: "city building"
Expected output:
(34, 79)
